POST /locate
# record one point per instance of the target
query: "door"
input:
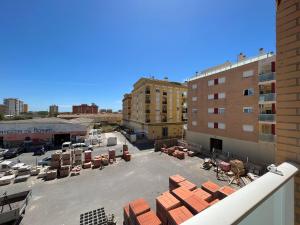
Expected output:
(216, 144)
(1, 142)
(165, 132)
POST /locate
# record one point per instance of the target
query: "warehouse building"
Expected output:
(53, 131)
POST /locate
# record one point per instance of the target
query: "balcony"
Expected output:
(184, 110)
(147, 92)
(267, 97)
(267, 117)
(267, 137)
(267, 77)
(164, 111)
(147, 120)
(269, 200)
(147, 101)
(164, 102)
(147, 111)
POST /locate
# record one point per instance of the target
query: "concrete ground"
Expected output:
(61, 201)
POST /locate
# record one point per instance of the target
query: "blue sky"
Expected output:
(70, 52)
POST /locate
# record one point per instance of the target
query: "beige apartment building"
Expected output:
(232, 108)
(156, 108)
(288, 88)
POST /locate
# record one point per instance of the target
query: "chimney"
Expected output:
(261, 51)
(241, 57)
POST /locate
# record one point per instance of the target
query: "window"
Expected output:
(248, 73)
(210, 96)
(248, 128)
(247, 109)
(194, 86)
(221, 95)
(221, 110)
(216, 96)
(249, 92)
(216, 81)
(194, 123)
(211, 82)
(157, 90)
(210, 125)
(194, 110)
(222, 126)
(210, 110)
(194, 99)
(222, 80)
(165, 132)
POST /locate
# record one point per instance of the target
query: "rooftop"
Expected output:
(228, 66)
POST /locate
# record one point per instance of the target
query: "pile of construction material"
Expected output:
(23, 173)
(178, 152)
(138, 212)
(56, 160)
(111, 156)
(51, 175)
(77, 157)
(87, 160)
(183, 200)
(94, 217)
(126, 155)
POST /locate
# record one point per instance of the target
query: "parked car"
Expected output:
(83, 146)
(65, 146)
(11, 153)
(45, 161)
(2, 151)
(39, 151)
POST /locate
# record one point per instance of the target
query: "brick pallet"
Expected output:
(179, 215)
(87, 165)
(87, 156)
(165, 203)
(112, 155)
(225, 191)
(94, 217)
(211, 188)
(51, 175)
(136, 208)
(188, 185)
(203, 194)
(64, 171)
(148, 218)
(182, 193)
(195, 204)
(174, 181)
(56, 160)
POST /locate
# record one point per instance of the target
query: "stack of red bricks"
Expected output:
(56, 160)
(97, 161)
(180, 203)
(112, 155)
(138, 212)
(87, 160)
(177, 151)
(66, 158)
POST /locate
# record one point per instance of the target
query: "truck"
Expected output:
(12, 206)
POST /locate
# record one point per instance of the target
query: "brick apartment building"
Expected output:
(156, 108)
(288, 88)
(232, 108)
(85, 109)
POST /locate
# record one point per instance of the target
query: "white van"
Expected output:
(83, 146)
(65, 146)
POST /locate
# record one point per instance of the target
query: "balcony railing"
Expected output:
(267, 117)
(267, 97)
(147, 101)
(267, 77)
(164, 102)
(267, 137)
(164, 111)
(268, 200)
(147, 92)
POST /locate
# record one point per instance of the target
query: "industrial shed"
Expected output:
(51, 131)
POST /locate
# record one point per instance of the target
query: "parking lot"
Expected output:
(61, 201)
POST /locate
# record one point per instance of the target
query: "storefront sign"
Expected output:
(33, 130)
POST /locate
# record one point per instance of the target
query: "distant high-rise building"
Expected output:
(25, 108)
(85, 109)
(53, 110)
(14, 106)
